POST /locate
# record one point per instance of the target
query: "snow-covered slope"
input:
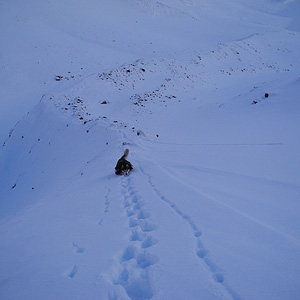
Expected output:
(205, 96)
(40, 40)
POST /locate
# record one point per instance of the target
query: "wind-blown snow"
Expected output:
(204, 94)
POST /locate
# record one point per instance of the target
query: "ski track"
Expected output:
(136, 259)
(201, 251)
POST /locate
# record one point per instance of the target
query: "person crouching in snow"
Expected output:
(123, 166)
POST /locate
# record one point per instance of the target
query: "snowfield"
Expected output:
(205, 95)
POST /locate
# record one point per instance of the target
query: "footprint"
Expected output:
(78, 249)
(197, 233)
(145, 260)
(135, 199)
(73, 272)
(123, 277)
(129, 253)
(136, 284)
(130, 212)
(133, 222)
(137, 236)
(137, 206)
(201, 253)
(147, 227)
(218, 277)
(148, 242)
(143, 215)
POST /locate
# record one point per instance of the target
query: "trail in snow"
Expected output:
(133, 211)
(136, 258)
(201, 251)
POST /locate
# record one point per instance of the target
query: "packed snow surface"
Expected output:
(205, 95)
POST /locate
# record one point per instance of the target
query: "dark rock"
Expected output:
(59, 78)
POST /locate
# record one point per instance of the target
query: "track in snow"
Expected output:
(201, 251)
(136, 258)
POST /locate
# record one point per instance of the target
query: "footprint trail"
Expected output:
(201, 252)
(136, 259)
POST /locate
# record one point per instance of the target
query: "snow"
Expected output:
(211, 209)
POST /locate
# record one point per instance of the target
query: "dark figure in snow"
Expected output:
(123, 166)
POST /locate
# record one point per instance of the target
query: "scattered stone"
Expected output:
(266, 95)
(104, 102)
(59, 78)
